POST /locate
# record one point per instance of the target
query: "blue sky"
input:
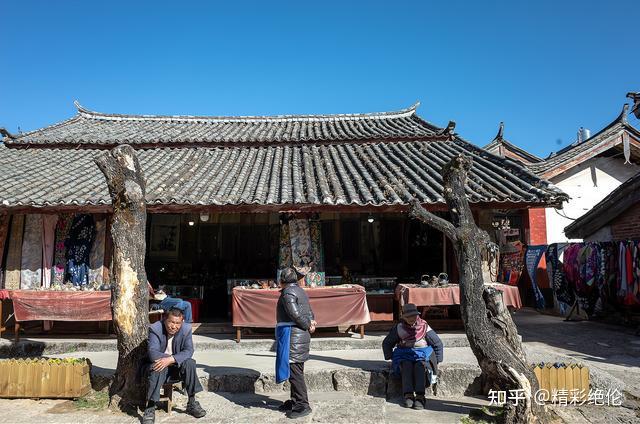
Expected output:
(543, 67)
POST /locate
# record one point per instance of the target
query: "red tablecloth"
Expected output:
(5, 294)
(196, 306)
(439, 296)
(29, 305)
(332, 306)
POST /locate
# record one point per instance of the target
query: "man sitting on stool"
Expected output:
(170, 356)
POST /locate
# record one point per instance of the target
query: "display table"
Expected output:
(380, 306)
(50, 305)
(4, 294)
(332, 306)
(450, 295)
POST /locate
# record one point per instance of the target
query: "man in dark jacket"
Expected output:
(171, 357)
(294, 310)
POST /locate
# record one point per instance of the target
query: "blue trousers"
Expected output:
(174, 302)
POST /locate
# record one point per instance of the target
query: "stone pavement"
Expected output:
(605, 348)
(250, 408)
(349, 371)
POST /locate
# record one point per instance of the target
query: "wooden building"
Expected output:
(219, 189)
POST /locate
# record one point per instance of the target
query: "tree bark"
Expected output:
(492, 334)
(129, 293)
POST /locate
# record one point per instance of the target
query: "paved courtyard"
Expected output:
(344, 377)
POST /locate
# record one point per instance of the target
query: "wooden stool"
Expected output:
(167, 393)
(155, 315)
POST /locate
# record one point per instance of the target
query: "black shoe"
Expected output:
(293, 414)
(195, 410)
(418, 403)
(149, 416)
(408, 402)
(286, 406)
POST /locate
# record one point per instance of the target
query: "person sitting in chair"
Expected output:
(168, 302)
(171, 359)
(415, 350)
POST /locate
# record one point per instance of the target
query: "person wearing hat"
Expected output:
(414, 349)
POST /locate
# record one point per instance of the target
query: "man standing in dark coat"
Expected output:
(294, 313)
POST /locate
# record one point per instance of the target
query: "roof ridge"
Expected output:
(406, 112)
(621, 119)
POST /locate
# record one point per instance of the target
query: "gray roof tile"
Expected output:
(374, 159)
(375, 174)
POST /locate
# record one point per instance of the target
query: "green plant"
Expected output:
(484, 415)
(94, 400)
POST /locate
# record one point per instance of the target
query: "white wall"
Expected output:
(586, 184)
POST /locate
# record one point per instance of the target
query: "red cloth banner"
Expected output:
(441, 296)
(30, 305)
(332, 306)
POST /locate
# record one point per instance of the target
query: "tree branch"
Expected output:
(421, 214)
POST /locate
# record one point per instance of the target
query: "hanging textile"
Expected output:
(284, 257)
(300, 245)
(609, 272)
(60, 255)
(631, 271)
(511, 263)
(48, 239)
(624, 258)
(31, 262)
(81, 236)
(571, 263)
(96, 257)
(555, 268)
(4, 230)
(601, 275)
(14, 255)
(636, 272)
(532, 259)
(317, 254)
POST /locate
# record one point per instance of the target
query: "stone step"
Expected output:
(454, 380)
(219, 342)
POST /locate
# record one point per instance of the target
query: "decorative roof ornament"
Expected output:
(635, 96)
(6, 133)
(623, 115)
(500, 135)
(449, 130)
(82, 109)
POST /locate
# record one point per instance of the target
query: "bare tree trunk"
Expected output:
(129, 293)
(492, 335)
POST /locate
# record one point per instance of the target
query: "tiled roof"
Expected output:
(93, 128)
(580, 151)
(499, 143)
(376, 174)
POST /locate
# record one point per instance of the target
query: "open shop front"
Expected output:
(204, 257)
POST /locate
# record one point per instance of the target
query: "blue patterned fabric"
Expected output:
(78, 244)
(413, 354)
(532, 259)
